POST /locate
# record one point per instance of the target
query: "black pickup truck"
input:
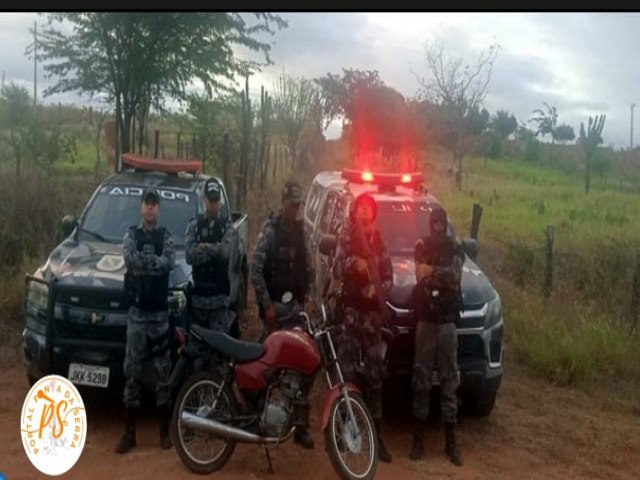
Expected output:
(75, 305)
(403, 206)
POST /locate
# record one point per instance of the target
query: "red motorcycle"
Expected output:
(245, 394)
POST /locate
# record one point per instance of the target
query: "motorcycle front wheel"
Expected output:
(352, 446)
(203, 452)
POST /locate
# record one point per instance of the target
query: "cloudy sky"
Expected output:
(583, 63)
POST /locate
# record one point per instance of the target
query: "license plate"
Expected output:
(92, 375)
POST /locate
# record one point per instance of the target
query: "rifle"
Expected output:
(372, 268)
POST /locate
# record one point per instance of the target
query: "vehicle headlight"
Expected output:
(177, 302)
(37, 299)
(494, 312)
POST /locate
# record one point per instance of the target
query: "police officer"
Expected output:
(209, 240)
(439, 258)
(281, 264)
(360, 335)
(149, 256)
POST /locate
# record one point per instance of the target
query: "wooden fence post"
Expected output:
(549, 232)
(476, 215)
(155, 149)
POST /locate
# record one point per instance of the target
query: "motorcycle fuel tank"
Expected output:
(288, 349)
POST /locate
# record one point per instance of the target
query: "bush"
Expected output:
(33, 205)
(532, 150)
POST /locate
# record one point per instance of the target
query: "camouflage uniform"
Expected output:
(211, 311)
(437, 306)
(147, 331)
(360, 332)
(281, 263)
(436, 338)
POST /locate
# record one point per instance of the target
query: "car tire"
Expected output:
(482, 405)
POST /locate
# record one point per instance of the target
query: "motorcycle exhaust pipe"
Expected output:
(195, 422)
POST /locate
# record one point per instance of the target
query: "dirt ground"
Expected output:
(536, 431)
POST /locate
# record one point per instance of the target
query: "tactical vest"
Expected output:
(355, 282)
(211, 278)
(448, 302)
(148, 292)
(286, 269)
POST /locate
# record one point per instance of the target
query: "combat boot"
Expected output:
(301, 421)
(128, 440)
(165, 417)
(383, 453)
(451, 449)
(417, 449)
(302, 437)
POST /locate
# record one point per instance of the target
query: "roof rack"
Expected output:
(173, 166)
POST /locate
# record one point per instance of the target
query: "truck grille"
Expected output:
(105, 300)
(68, 329)
(91, 314)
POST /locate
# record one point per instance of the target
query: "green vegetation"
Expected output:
(585, 330)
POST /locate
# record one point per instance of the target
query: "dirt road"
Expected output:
(536, 431)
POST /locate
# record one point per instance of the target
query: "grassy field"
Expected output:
(583, 332)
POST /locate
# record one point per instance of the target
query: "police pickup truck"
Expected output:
(403, 206)
(75, 305)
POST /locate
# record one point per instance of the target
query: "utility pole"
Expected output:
(35, 63)
(631, 139)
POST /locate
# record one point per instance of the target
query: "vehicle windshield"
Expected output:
(117, 207)
(402, 223)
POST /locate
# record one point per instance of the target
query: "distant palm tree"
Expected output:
(546, 123)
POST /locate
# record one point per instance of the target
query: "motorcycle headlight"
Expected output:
(494, 312)
(37, 299)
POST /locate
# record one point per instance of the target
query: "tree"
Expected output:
(458, 87)
(338, 92)
(531, 143)
(564, 133)
(23, 131)
(139, 59)
(296, 104)
(601, 164)
(546, 124)
(15, 116)
(590, 141)
(376, 117)
(504, 124)
(477, 121)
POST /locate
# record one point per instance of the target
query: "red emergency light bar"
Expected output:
(382, 179)
(141, 162)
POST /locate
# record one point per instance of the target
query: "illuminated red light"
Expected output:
(367, 177)
(406, 178)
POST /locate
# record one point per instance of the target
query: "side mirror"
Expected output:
(470, 246)
(327, 244)
(69, 222)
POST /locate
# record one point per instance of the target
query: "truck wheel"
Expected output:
(482, 405)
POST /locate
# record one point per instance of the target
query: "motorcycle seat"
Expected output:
(238, 350)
